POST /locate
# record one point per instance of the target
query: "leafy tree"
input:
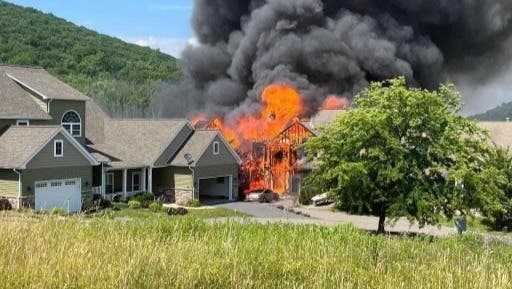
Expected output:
(406, 153)
(500, 219)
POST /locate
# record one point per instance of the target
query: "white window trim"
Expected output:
(55, 142)
(72, 124)
(23, 121)
(216, 148)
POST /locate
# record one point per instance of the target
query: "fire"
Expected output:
(334, 102)
(267, 141)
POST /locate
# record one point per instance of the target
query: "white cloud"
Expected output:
(169, 45)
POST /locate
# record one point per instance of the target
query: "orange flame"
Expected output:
(334, 102)
(280, 104)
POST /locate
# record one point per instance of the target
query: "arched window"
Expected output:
(71, 122)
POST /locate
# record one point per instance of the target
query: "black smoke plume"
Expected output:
(332, 47)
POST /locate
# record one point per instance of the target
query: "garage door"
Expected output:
(218, 187)
(59, 194)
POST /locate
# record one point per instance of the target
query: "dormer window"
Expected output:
(216, 148)
(58, 148)
(22, 122)
(72, 123)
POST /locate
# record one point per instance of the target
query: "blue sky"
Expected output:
(155, 23)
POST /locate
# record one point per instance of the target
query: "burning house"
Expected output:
(271, 145)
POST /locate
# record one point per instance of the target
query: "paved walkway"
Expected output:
(269, 213)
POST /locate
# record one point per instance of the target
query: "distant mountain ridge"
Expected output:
(500, 113)
(119, 75)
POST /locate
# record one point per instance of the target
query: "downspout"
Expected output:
(193, 182)
(48, 105)
(19, 188)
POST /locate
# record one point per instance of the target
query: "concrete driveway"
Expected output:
(269, 213)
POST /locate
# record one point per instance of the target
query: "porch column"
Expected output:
(103, 179)
(143, 181)
(125, 180)
(150, 179)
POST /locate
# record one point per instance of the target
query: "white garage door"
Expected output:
(59, 194)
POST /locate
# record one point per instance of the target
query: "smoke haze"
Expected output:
(337, 47)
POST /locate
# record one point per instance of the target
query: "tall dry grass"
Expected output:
(54, 252)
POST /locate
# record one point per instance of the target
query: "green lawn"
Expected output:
(145, 250)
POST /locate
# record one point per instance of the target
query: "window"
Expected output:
(221, 180)
(58, 148)
(109, 183)
(22, 122)
(136, 182)
(72, 123)
(216, 148)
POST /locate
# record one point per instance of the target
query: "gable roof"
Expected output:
(135, 143)
(197, 146)
(500, 132)
(42, 83)
(16, 102)
(18, 145)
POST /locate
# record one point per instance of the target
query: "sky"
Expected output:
(156, 23)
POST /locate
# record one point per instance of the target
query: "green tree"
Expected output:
(502, 218)
(405, 153)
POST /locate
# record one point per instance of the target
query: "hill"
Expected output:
(119, 75)
(499, 113)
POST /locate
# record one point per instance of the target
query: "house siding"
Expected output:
(57, 110)
(223, 158)
(30, 176)
(5, 124)
(9, 183)
(175, 145)
(45, 158)
(163, 179)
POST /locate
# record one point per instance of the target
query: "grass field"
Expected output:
(156, 251)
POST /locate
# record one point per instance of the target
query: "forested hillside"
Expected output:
(119, 75)
(499, 113)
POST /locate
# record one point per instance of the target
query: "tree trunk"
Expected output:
(382, 221)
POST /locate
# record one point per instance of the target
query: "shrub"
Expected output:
(145, 199)
(134, 204)
(155, 207)
(305, 197)
(59, 211)
(194, 203)
(5, 205)
(177, 211)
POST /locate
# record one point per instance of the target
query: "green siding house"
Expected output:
(58, 148)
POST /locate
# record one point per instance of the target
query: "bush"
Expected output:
(177, 211)
(145, 199)
(194, 203)
(305, 197)
(134, 204)
(5, 205)
(59, 211)
(155, 207)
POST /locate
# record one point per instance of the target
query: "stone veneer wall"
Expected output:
(19, 203)
(183, 196)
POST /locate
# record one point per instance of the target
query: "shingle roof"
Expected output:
(134, 143)
(500, 132)
(17, 144)
(195, 146)
(41, 82)
(17, 103)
